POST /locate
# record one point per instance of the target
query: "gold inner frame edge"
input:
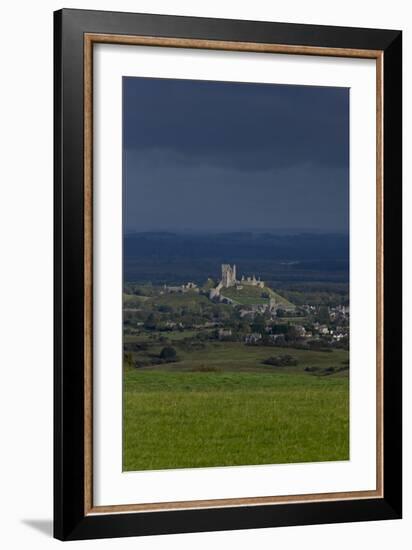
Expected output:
(89, 40)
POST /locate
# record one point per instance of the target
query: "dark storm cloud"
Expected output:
(248, 126)
(228, 155)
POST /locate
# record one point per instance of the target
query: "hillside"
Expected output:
(252, 295)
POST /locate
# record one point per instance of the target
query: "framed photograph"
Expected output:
(227, 274)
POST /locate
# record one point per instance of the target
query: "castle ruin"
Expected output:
(229, 279)
(228, 275)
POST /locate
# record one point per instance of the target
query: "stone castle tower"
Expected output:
(228, 275)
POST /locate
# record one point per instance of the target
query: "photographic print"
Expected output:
(236, 274)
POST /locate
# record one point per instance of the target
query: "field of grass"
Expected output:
(172, 336)
(183, 420)
(252, 295)
(190, 300)
(220, 406)
(132, 301)
(236, 357)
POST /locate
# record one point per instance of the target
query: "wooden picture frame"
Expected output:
(76, 33)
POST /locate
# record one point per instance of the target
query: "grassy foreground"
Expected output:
(184, 419)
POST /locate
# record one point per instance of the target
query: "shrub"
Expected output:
(281, 361)
(168, 354)
(311, 369)
(135, 346)
(128, 359)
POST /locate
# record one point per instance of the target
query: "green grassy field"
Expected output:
(249, 295)
(132, 299)
(236, 357)
(172, 336)
(190, 301)
(220, 406)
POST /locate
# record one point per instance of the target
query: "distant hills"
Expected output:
(179, 257)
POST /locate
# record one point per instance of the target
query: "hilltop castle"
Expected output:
(228, 275)
(229, 279)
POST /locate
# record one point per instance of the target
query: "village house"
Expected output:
(253, 338)
(300, 331)
(224, 333)
(182, 289)
(276, 338)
